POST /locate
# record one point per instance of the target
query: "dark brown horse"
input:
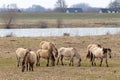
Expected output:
(28, 61)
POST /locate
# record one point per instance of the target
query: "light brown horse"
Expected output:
(20, 53)
(49, 46)
(68, 54)
(46, 54)
(99, 52)
(89, 47)
(29, 61)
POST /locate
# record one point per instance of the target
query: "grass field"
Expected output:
(10, 71)
(50, 20)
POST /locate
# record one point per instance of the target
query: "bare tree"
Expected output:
(9, 16)
(84, 6)
(60, 6)
(114, 5)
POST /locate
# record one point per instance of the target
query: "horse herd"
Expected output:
(48, 51)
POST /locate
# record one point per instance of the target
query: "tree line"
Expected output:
(60, 6)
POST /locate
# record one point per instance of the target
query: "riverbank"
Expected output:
(63, 20)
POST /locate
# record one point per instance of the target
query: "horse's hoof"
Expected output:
(17, 65)
(47, 65)
(37, 64)
(78, 65)
(53, 65)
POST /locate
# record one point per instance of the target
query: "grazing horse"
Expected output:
(20, 53)
(49, 46)
(28, 61)
(68, 54)
(46, 54)
(91, 46)
(99, 52)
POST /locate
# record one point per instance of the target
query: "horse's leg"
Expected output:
(27, 66)
(52, 60)
(38, 61)
(47, 62)
(18, 62)
(93, 60)
(71, 62)
(79, 62)
(31, 67)
(91, 56)
(62, 59)
(101, 62)
(107, 63)
(57, 60)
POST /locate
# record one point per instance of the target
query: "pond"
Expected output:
(34, 32)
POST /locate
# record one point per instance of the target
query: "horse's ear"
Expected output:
(99, 45)
(29, 49)
(109, 49)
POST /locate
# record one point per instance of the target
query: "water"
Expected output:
(58, 32)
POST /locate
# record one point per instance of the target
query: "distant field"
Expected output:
(27, 20)
(9, 70)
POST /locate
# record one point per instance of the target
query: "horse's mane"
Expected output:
(99, 45)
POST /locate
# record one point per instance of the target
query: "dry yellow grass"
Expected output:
(10, 71)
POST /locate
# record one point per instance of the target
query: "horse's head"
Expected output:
(23, 66)
(109, 52)
(104, 50)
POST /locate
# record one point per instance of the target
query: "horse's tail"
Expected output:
(24, 59)
(88, 54)
(91, 56)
